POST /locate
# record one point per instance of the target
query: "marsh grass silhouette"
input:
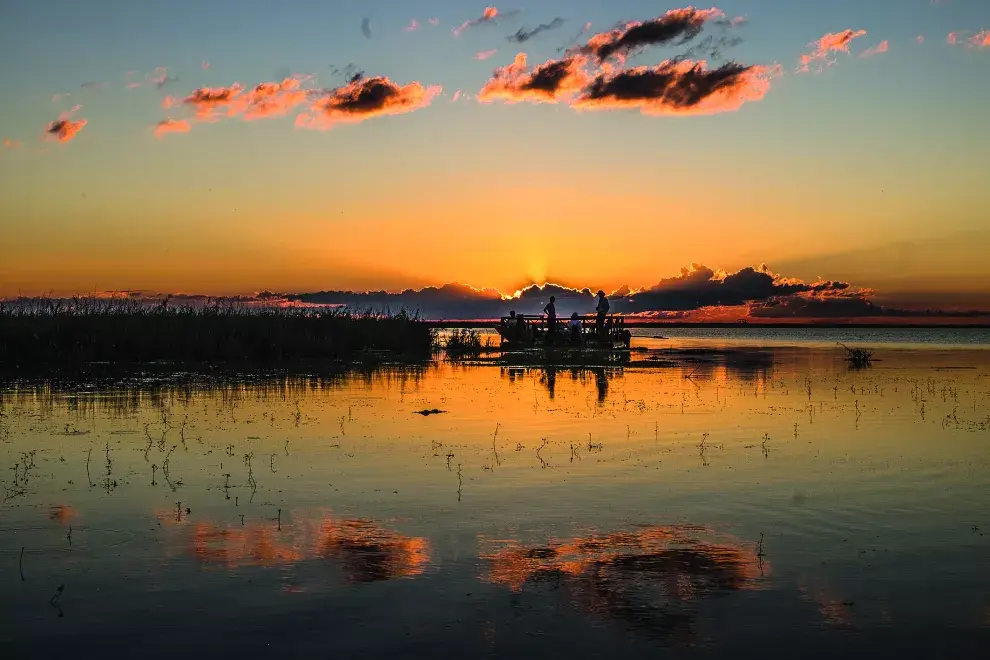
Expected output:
(72, 333)
(464, 342)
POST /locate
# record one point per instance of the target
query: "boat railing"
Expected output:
(534, 326)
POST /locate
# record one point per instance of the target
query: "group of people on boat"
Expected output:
(519, 330)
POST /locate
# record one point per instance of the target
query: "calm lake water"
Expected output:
(753, 503)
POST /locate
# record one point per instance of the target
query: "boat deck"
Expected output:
(536, 330)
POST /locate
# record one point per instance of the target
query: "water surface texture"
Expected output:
(751, 502)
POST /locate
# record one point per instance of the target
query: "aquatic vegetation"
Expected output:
(464, 341)
(856, 357)
(85, 330)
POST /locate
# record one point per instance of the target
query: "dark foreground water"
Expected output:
(757, 503)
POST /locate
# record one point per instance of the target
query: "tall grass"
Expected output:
(464, 342)
(62, 332)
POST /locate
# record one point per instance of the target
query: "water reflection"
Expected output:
(547, 377)
(363, 551)
(646, 579)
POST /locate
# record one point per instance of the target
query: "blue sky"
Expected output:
(892, 147)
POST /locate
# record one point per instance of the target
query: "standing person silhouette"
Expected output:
(551, 311)
(602, 310)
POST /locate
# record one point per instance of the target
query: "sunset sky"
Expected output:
(870, 165)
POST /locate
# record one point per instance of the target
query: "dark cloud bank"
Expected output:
(697, 292)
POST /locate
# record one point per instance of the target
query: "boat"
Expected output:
(522, 331)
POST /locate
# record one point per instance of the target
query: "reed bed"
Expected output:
(81, 330)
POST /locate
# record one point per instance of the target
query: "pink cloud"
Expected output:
(56, 98)
(434, 21)
(64, 130)
(980, 40)
(204, 65)
(953, 38)
(364, 99)
(169, 102)
(167, 126)
(490, 14)
(483, 55)
(550, 82)
(882, 47)
(71, 111)
(920, 39)
(457, 95)
(413, 26)
(11, 144)
(831, 42)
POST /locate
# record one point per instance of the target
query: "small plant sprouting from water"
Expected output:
(53, 601)
(89, 456)
(109, 483)
(594, 446)
(498, 461)
(857, 358)
(165, 467)
(251, 481)
(766, 445)
(460, 482)
(182, 432)
(543, 463)
(701, 450)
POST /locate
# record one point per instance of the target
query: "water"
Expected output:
(764, 503)
(945, 337)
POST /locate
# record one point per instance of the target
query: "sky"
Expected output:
(830, 140)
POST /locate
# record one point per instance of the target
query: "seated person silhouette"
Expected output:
(574, 325)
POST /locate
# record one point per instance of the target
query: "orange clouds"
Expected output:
(268, 99)
(483, 55)
(548, 83)
(882, 47)
(363, 99)
(677, 88)
(8, 143)
(671, 88)
(206, 100)
(167, 126)
(831, 42)
(64, 130)
(272, 99)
